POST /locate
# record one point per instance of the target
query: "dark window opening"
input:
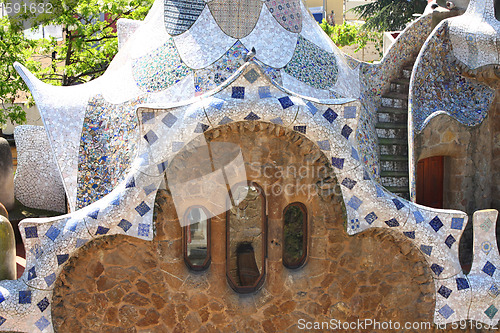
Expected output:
(294, 235)
(196, 238)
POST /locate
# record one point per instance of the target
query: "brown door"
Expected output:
(430, 181)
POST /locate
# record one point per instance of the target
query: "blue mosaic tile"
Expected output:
(217, 104)
(449, 241)
(31, 232)
(324, 145)
(225, 120)
(125, 225)
(437, 269)
(370, 218)
(151, 137)
(169, 120)
(489, 268)
(398, 203)
(277, 121)
(25, 297)
(142, 208)
(31, 273)
(300, 128)
(2, 320)
(116, 201)
(80, 242)
(2, 297)
(491, 311)
(427, 249)
(349, 183)
(380, 191)
(392, 223)
(93, 214)
(346, 131)
(457, 223)
(130, 183)
(42, 323)
(162, 167)
(444, 291)
(143, 230)
(350, 112)
(409, 234)
(252, 116)
(462, 283)
(147, 116)
(418, 217)
(355, 202)
(101, 230)
(494, 291)
(37, 251)
(436, 224)
(180, 15)
(252, 75)
(201, 128)
(62, 258)
(446, 311)
(285, 102)
(50, 279)
(354, 224)
(330, 115)
(52, 233)
(43, 304)
(354, 154)
(149, 189)
(238, 92)
(264, 92)
(338, 162)
(313, 109)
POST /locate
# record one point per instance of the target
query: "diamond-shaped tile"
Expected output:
(238, 92)
(93, 214)
(125, 225)
(338, 162)
(457, 223)
(446, 311)
(151, 137)
(162, 166)
(380, 191)
(80, 242)
(491, 311)
(285, 102)
(252, 75)
(350, 112)
(201, 128)
(31, 232)
(330, 115)
(449, 241)
(494, 291)
(225, 120)
(444, 291)
(2, 320)
(142, 208)
(143, 230)
(169, 120)
(392, 223)
(25, 297)
(252, 116)
(346, 131)
(2, 297)
(313, 109)
(349, 183)
(50, 279)
(355, 202)
(427, 249)
(43, 304)
(31, 273)
(42, 323)
(462, 283)
(300, 128)
(409, 234)
(130, 183)
(436, 224)
(101, 230)
(418, 217)
(264, 92)
(489, 268)
(324, 145)
(277, 121)
(370, 218)
(52, 233)
(354, 154)
(217, 104)
(62, 258)
(398, 204)
(486, 225)
(437, 269)
(147, 116)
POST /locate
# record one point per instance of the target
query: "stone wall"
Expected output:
(123, 284)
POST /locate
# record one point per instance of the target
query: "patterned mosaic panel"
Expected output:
(180, 15)
(106, 148)
(432, 90)
(37, 183)
(159, 69)
(312, 65)
(237, 18)
(287, 13)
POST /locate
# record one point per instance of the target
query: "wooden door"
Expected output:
(430, 181)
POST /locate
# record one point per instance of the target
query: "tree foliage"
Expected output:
(389, 15)
(88, 46)
(347, 34)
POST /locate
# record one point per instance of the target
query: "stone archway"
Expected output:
(120, 283)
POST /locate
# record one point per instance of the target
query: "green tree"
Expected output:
(88, 46)
(389, 15)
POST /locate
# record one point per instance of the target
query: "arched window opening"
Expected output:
(246, 238)
(196, 238)
(294, 235)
